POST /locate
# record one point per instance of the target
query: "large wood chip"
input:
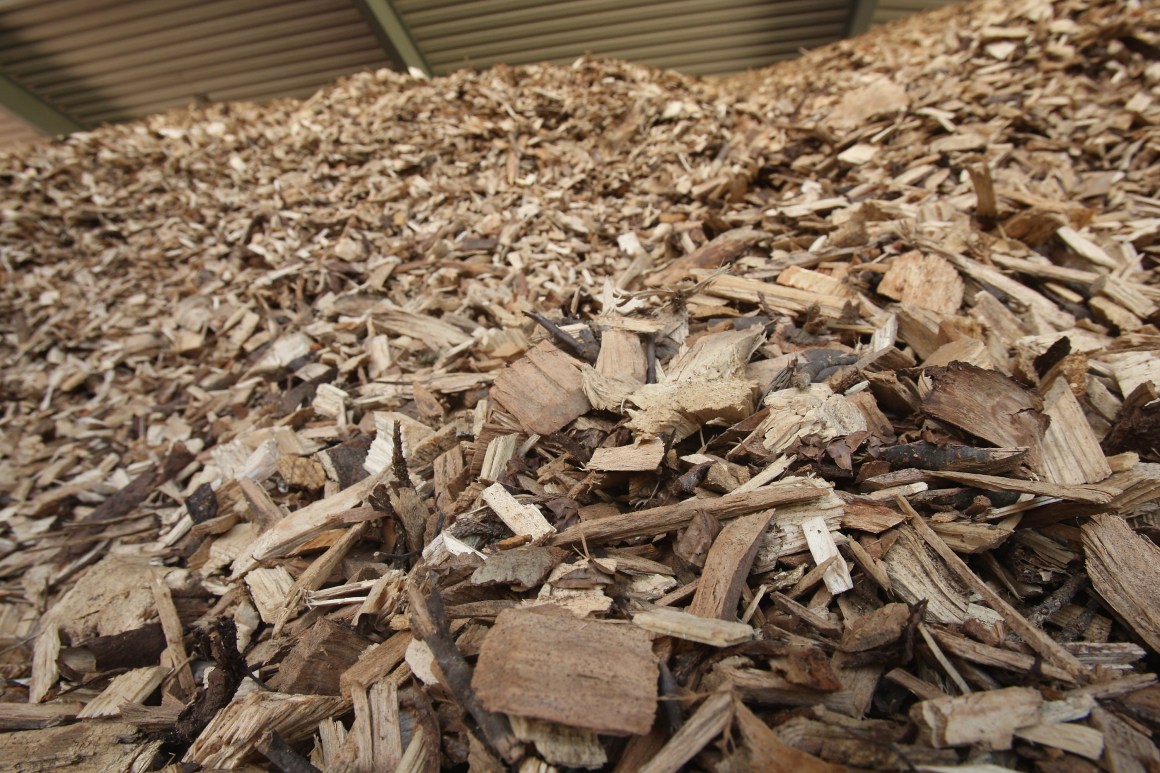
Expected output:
(990, 405)
(714, 254)
(544, 390)
(927, 281)
(581, 673)
(988, 718)
(85, 746)
(232, 735)
(1125, 569)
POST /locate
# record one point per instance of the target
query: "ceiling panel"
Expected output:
(695, 36)
(119, 59)
(85, 62)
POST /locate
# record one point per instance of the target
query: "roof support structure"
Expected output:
(26, 105)
(394, 34)
(861, 15)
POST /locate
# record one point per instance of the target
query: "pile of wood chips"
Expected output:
(598, 417)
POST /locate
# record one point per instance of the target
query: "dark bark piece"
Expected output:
(928, 456)
(202, 504)
(126, 500)
(221, 683)
(130, 649)
(1137, 425)
(585, 349)
(989, 405)
(344, 462)
(1054, 353)
(302, 394)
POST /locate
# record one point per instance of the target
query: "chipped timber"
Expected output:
(597, 417)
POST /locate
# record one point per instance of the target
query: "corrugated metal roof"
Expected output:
(694, 36)
(890, 10)
(115, 59)
(83, 62)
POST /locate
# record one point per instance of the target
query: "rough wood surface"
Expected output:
(727, 567)
(543, 391)
(539, 665)
(89, 746)
(319, 659)
(1125, 569)
(801, 417)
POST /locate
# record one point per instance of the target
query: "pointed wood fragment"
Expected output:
(727, 566)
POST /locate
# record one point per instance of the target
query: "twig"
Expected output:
(577, 348)
(429, 623)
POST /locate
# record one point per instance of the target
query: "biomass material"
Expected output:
(597, 417)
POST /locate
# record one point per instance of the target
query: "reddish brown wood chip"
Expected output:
(584, 673)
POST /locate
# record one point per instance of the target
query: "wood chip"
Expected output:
(691, 627)
(988, 718)
(538, 665)
(588, 394)
(521, 519)
(822, 548)
(1124, 568)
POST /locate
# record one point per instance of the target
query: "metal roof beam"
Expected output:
(31, 108)
(393, 34)
(861, 15)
